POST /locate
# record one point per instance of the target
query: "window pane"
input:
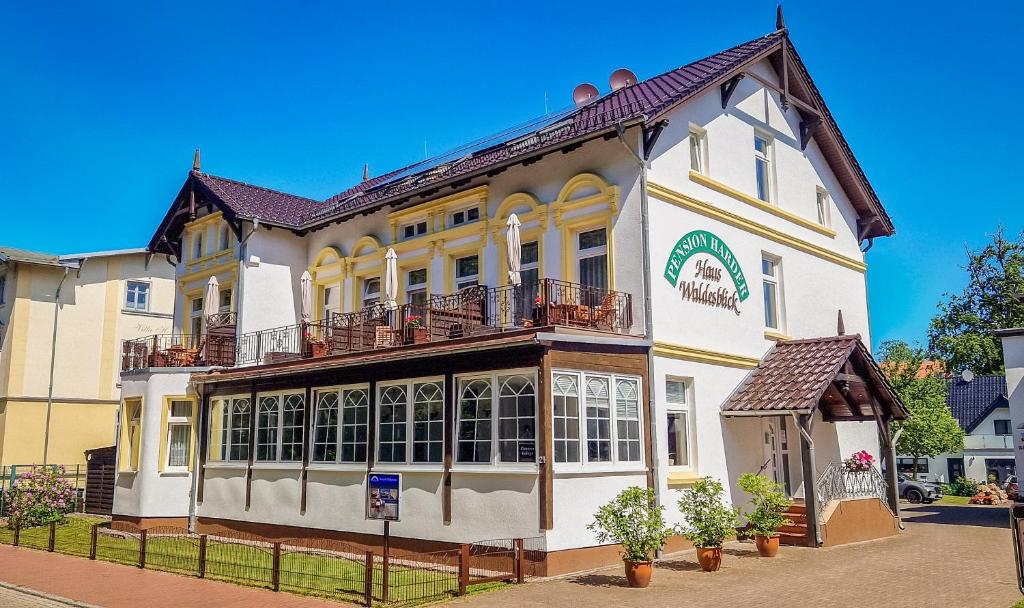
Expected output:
(238, 430)
(428, 422)
(474, 421)
(675, 391)
(325, 435)
(771, 316)
(761, 167)
(528, 253)
(181, 409)
(678, 440)
(516, 419)
(466, 267)
(599, 448)
(695, 152)
(291, 427)
(566, 418)
(627, 416)
(594, 271)
(418, 277)
(391, 432)
(177, 447)
(593, 238)
(266, 428)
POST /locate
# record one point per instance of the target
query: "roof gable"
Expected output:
(972, 402)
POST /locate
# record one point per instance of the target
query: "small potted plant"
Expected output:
(769, 504)
(316, 346)
(709, 521)
(634, 521)
(415, 332)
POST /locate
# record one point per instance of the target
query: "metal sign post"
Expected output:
(382, 502)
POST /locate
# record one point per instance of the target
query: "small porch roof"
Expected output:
(836, 375)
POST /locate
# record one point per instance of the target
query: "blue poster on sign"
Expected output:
(383, 492)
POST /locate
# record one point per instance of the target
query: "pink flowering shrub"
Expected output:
(860, 461)
(38, 497)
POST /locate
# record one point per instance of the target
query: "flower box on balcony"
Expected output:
(318, 349)
(416, 335)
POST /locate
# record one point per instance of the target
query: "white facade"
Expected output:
(1013, 360)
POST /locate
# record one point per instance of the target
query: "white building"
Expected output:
(673, 232)
(1013, 361)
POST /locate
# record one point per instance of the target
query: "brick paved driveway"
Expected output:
(14, 598)
(949, 556)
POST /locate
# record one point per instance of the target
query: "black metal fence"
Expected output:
(311, 566)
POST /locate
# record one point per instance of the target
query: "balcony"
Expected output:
(471, 312)
(988, 442)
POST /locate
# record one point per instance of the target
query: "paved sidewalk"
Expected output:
(14, 597)
(116, 586)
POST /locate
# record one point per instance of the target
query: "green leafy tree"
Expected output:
(931, 429)
(708, 520)
(769, 502)
(633, 520)
(961, 334)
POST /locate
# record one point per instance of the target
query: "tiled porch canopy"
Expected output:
(836, 375)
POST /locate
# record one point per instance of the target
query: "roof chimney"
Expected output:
(195, 161)
(366, 171)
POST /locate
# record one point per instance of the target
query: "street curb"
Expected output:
(47, 596)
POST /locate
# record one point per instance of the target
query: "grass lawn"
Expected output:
(305, 572)
(954, 500)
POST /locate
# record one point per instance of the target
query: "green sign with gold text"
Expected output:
(702, 241)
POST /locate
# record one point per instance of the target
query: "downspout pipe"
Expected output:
(645, 146)
(76, 265)
(200, 444)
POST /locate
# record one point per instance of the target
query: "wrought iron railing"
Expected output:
(839, 483)
(470, 312)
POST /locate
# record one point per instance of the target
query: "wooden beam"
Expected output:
(807, 129)
(799, 103)
(728, 88)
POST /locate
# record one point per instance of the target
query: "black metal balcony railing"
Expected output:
(473, 311)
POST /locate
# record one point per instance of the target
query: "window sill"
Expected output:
(337, 466)
(588, 469)
(175, 473)
(226, 465)
(277, 466)
(771, 334)
(128, 472)
(397, 467)
(146, 313)
(491, 468)
(682, 478)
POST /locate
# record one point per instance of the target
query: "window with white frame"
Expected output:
(197, 245)
(592, 256)
(566, 412)
(698, 150)
(179, 435)
(763, 165)
(133, 433)
(279, 427)
(225, 300)
(680, 421)
(464, 216)
(497, 421)
(331, 300)
(771, 281)
(340, 425)
(411, 415)
(371, 292)
(136, 296)
(822, 206)
(229, 430)
(225, 238)
(1001, 427)
(467, 272)
(599, 411)
(416, 287)
(529, 263)
(414, 230)
(196, 321)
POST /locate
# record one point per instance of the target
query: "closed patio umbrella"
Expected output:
(211, 306)
(514, 250)
(391, 278)
(306, 297)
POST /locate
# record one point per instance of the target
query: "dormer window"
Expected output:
(414, 230)
(465, 216)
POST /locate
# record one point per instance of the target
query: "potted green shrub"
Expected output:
(769, 504)
(709, 521)
(634, 521)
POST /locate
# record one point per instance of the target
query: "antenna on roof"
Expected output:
(840, 326)
(780, 23)
(366, 171)
(195, 161)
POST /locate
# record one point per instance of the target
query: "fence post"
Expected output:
(463, 569)
(275, 573)
(519, 560)
(93, 534)
(142, 549)
(368, 580)
(17, 532)
(202, 556)
(53, 537)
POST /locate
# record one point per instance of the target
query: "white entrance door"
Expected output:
(777, 452)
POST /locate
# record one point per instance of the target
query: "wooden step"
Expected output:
(797, 518)
(797, 508)
(795, 529)
(793, 540)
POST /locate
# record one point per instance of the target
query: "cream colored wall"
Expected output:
(91, 326)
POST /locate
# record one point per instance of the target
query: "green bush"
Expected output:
(709, 521)
(38, 497)
(632, 520)
(963, 486)
(769, 502)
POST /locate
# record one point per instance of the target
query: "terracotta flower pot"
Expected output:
(710, 558)
(767, 546)
(638, 574)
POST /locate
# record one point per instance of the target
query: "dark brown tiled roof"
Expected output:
(795, 374)
(250, 201)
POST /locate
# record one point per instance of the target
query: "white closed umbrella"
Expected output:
(514, 250)
(211, 302)
(391, 278)
(306, 297)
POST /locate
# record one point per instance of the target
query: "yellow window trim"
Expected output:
(358, 276)
(565, 202)
(450, 255)
(229, 267)
(366, 242)
(683, 479)
(700, 355)
(124, 463)
(569, 230)
(459, 199)
(204, 220)
(164, 414)
(525, 236)
(407, 265)
(708, 210)
(763, 206)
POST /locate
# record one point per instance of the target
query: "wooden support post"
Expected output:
(142, 549)
(93, 537)
(202, 556)
(275, 573)
(810, 475)
(368, 580)
(519, 560)
(463, 569)
(53, 537)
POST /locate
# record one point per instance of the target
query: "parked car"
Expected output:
(919, 491)
(1010, 486)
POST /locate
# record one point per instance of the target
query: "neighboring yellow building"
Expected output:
(106, 297)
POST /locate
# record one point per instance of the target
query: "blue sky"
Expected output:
(103, 103)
